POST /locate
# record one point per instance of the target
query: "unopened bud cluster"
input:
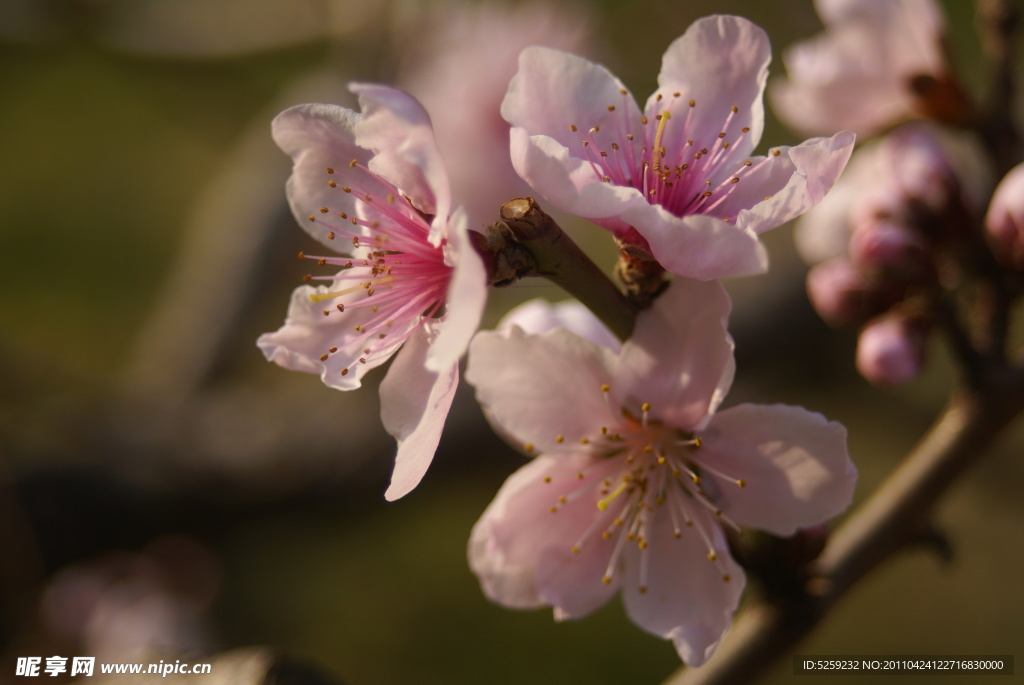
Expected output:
(896, 232)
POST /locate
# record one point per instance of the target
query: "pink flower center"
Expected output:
(392, 280)
(682, 170)
(642, 469)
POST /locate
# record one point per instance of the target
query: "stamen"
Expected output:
(603, 504)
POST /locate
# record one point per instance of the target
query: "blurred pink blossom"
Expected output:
(635, 474)
(126, 606)
(676, 181)
(480, 44)
(878, 63)
(372, 186)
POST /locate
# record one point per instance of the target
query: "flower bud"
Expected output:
(1004, 222)
(887, 245)
(890, 350)
(838, 291)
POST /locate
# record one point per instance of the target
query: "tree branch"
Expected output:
(528, 242)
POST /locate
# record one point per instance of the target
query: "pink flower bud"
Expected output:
(923, 168)
(890, 350)
(885, 244)
(1004, 222)
(838, 291)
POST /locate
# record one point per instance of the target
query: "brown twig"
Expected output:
(528, 242)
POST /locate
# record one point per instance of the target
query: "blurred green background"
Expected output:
(145, 244)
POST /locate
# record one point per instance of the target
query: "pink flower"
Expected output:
(676, 180)
(372, 187)
(1004, 221)
(636, 474)
(859, 75)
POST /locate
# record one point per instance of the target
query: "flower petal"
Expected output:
(720, 62)
(305, 340)
(794, 464)
(570, 183)
(679, 358)
(414, 404)
(540, 316)
(536, 388)
(687, 598)
(554, 91)
(319, 137)
(465, 299)
(518, 529)
(814, 165)
(697, 246)
(856, 74)
(397, 128)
